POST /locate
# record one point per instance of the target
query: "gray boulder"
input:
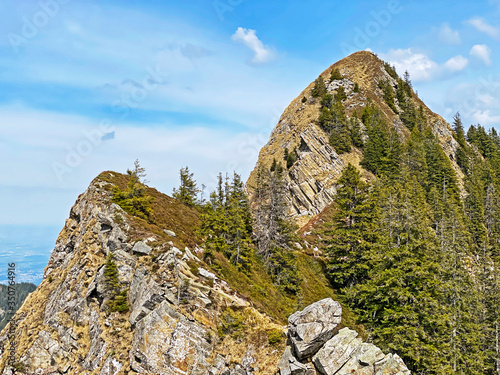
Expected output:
(310, 328)
(141, 248)
(337, 352)
(289, 365)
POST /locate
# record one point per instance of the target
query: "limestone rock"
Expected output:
(341, 353)
(337, 351)
(169, 232)
(289, 365)
(310, 328)
(165, 342)
(141, 248)
(144, 296)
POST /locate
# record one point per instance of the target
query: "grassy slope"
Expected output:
(256, 285)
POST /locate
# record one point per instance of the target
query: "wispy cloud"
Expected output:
(457, 63)
(482, 52)
(483, 26)
(485, 118)
(420, 66)
(248, 37)
(447, 35)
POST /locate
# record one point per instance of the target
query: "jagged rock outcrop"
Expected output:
(311, 180)
(317, 346)
(174, 304)
(310, 328)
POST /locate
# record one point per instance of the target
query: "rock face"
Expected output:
(318, 348)
(170, 327)
(310, 328)
(311, 180)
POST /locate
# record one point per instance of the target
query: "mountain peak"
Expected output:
(361, 79)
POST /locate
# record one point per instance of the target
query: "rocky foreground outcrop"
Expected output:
(316, 345)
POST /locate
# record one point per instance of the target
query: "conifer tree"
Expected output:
(319, 88)
(351, 238)
(273, 230)
(134, 200)
(226, 223)
(400, 298)
(187, 191)
(382, 151)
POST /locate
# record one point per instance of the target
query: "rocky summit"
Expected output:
(311, 178)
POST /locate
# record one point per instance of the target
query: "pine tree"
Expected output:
(382, 151)
(336, 75)
(226, 223)
(414, 157)
(134, 200)
(273, 230)
(400, 298)
(187, 191)
(351, 238)
(319, 88)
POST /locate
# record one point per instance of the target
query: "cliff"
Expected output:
(170, 320)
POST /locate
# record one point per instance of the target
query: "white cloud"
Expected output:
(248, 38)
(482, 52)
(419, 65)
(39, 139)
(485, 118)
(457, 63)
(483, 26)
(447, 35)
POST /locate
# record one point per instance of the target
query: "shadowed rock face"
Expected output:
(312, 333)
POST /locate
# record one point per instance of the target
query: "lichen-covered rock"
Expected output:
(337, 352)
(289, 365)
(165, 342)
(310, 328)
(141, 248)
(144, 296)
(343, 353)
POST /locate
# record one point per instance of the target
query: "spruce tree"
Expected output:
(187, 191)
(274, 231)
(351, 238)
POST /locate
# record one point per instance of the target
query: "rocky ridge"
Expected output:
(174, 304)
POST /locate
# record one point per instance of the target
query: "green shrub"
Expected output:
(340, 94)
(193, 267)
(231, 323)
(19, 367)
(356, 87)
(319, 88)
(304, 99)
(336, 75)
(120, 302)
(275, 336)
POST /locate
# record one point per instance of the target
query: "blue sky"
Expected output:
(91, 86)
